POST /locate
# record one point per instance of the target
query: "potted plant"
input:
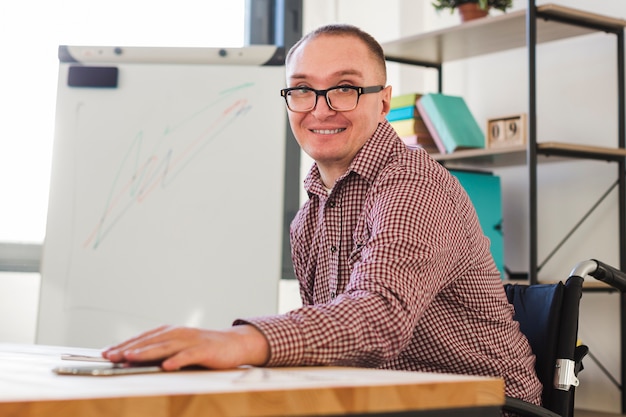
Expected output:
(479, 8)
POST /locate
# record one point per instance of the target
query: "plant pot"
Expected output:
(471, 11)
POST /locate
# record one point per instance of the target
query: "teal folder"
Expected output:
(484, 190)
(452, 122)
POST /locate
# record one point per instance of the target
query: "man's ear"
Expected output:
(386, 102)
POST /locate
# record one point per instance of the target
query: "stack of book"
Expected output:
(408, 123)
(450, 122)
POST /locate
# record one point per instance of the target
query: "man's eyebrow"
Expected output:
(342, 73)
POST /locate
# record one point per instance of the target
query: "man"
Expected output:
(394, 269)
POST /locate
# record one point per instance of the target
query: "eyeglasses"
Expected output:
(340, 98)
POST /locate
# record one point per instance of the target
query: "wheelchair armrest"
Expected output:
(526, 409)
(610, 275)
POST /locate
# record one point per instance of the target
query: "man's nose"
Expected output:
(322, 109)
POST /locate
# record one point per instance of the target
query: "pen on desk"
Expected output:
(85, 358)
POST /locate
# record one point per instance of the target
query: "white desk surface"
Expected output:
(28, 387)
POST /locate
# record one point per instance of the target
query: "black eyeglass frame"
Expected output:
(360, 91)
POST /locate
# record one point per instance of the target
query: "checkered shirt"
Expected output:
(396, 273)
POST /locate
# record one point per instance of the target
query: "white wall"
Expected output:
(577, 103)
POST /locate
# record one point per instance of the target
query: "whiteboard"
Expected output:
(166, 197)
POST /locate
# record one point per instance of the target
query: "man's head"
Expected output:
(331, 56)
(339, 29)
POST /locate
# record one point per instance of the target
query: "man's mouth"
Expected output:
(327, 131)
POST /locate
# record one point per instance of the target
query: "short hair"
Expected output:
(343, 29)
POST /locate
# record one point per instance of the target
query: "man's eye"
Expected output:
(345, 89)
(300, 92)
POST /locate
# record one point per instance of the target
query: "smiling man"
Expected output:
(393, 267)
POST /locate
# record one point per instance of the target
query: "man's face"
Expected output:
(330, 137)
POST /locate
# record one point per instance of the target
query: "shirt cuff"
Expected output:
(284, 338)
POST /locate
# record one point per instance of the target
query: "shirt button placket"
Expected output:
(334, 249)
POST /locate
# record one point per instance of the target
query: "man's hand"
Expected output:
(184, 346)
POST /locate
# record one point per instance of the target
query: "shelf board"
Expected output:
(496, 34)
(516, 155)
(485, 158)
(570, 150)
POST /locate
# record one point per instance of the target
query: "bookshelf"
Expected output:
(523, 28)
(518, 29)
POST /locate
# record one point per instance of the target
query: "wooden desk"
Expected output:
(28, 387)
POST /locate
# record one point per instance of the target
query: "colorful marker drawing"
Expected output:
(138, 176)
